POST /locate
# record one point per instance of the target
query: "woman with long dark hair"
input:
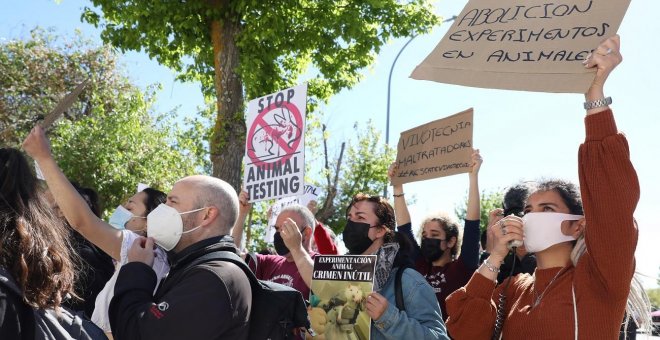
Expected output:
(584, 240)
(34, 249)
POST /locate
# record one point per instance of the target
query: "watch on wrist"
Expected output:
(597, 103)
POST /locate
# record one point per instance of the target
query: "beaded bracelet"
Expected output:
(491, 267)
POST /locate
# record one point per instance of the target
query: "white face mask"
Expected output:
(543, 230)
(165, 226)
(120, 217)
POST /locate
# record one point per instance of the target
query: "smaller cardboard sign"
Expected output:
(63, 105)
(440, 148)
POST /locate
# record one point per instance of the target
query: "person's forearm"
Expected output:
(237, 231)
(304, 263)
(595, 92)
(77, 212)
(400, 206)
(490, 267)
(473, 205)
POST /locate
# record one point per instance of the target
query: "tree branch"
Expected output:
(328, 206)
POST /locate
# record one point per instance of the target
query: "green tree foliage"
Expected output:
(37, 73)
(654, 296)
(363, 170)
(111, 139)
(236, 47)
(488, 202)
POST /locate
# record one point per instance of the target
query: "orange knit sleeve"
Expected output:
(610, 192)
(472, 310)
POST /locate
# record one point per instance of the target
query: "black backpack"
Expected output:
(61, 325)
(277, 310)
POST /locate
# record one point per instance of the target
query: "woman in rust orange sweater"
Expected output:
(565, 298)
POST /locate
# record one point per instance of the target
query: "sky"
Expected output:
(521, 135)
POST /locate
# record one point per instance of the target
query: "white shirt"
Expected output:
(161, 267)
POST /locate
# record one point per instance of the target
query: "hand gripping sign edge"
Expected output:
(260, 124)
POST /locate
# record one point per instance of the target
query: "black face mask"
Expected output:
(280, 247)
(356, 237)
(430, 249)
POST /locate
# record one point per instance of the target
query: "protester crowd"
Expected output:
(556, 261)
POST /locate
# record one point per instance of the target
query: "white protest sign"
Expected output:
(275, 211)
(141, 186)
(312, 193)
(275, 145)
(37, 171)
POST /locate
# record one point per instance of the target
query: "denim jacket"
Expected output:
(422, 318)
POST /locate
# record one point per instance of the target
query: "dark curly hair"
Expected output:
(385, 213)
(34, 243)
(451, 228)
(569, 192)
(384, 210)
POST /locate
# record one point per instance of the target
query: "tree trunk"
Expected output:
(228, 140)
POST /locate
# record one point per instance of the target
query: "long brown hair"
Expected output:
(34, 244)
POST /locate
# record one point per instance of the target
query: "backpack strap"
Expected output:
(227, 256)
(398, 289)
(252, 261)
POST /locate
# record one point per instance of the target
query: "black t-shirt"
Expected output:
(97, 269)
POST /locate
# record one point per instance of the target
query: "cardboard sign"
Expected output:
(340, 286)
(275, 145)
(529, 45)
(63, 105)
(440, 148)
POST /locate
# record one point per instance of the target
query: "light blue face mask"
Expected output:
(119, 218)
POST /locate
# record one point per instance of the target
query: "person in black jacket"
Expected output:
(210, 301)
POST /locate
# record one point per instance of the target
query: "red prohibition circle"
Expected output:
(260, 122)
